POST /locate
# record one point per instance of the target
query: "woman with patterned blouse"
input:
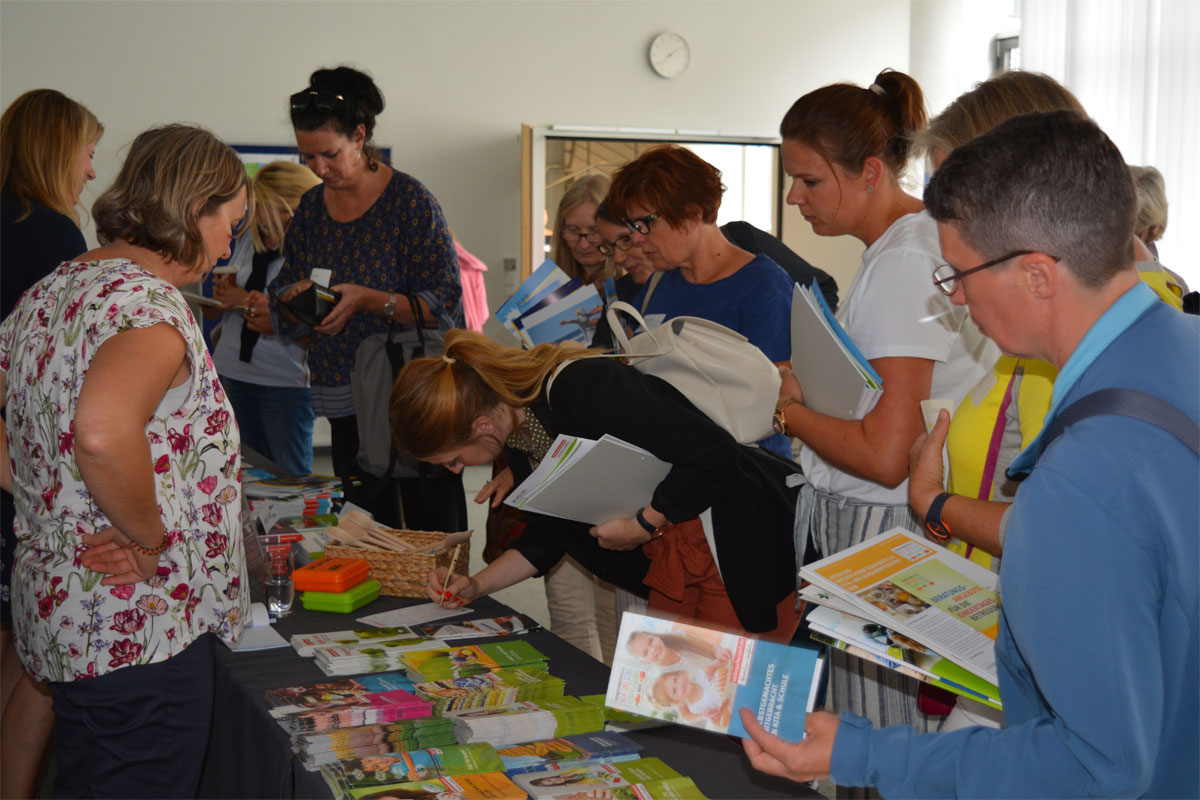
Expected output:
(372, 234)
(122, 454)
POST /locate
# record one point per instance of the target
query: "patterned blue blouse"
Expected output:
(401, 244)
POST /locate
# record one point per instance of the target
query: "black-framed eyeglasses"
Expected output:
(641, 224)
(322, 101)
(622, 243)
(574, 236)
(946, 277)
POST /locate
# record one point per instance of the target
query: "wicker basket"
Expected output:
(405, 574)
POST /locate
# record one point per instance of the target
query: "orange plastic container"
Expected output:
(330, 574)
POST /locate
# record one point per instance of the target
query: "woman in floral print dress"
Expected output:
(122, 454)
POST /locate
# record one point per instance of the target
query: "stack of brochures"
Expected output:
(620, 721)
(476, 786)
(435, 664)
(577, 750)
(876, 643)
(305, 643)
(590, 481)
(835, 377)
(481, 628)
(381, 655)
(528, 720)
(502, 687)
(369, 709)
(317, 748)
(946, 608)
(549, 307)
(380, 772)
(640, 778)
(700, 677)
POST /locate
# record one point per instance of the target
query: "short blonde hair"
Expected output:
(589, 187)
(991, 102)
(278, 187)
(173, 175)
(1151, 203)
(40, 134)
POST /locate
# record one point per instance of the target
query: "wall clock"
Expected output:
(670, 55)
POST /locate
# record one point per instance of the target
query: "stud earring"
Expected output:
(870, 190)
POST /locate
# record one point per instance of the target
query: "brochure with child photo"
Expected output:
(700, 677)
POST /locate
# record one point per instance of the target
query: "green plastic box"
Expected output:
(352, 599)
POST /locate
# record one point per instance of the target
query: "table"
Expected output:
(250, 755)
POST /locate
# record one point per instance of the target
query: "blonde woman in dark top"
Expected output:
(47, 141)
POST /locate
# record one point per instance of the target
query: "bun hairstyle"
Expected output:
(848, 124)
(358, 102)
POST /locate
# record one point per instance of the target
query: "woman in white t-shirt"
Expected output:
(845, 148)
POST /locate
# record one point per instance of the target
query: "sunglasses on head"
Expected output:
(321, 101)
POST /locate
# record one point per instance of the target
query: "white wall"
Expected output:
(459, 77)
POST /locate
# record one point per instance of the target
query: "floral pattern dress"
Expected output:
(68, 626)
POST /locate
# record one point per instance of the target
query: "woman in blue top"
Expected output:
(668, 198)
(373, 234)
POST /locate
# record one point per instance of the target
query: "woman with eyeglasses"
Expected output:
(845, 147)
(573, 246)
(668, 199)
(373, 234)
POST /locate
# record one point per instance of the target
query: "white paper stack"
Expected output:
(370, 656)
(590, 481)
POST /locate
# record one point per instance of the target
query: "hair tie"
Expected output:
(877, 89)
(448, 359)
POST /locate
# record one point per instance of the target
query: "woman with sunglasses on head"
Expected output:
(845, 147)
(668, 199)
(124, 463)
(375, 235)
(265, 375)
(47, 141)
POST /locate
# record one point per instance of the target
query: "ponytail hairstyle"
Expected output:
(341, 98)
(40, 134)
(435, 400)
(847, 124)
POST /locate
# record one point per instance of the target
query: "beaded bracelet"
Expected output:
(149, 551)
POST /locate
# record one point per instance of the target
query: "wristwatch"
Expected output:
(936, 528)
(389, 308)
(779, 421)
(649, 527)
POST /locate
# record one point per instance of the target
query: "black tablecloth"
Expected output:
(250, 755)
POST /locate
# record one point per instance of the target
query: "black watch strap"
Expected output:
(937, 529)
(645, 523)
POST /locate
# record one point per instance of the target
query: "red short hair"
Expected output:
(670, 180)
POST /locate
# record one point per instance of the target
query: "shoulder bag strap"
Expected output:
(651, 285)
(1127, 403)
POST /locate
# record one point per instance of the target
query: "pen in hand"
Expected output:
(449, 574)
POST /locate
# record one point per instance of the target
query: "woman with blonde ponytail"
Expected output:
(481, 400)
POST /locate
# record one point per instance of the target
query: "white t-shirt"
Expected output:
(276, 360)
(893, 310)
